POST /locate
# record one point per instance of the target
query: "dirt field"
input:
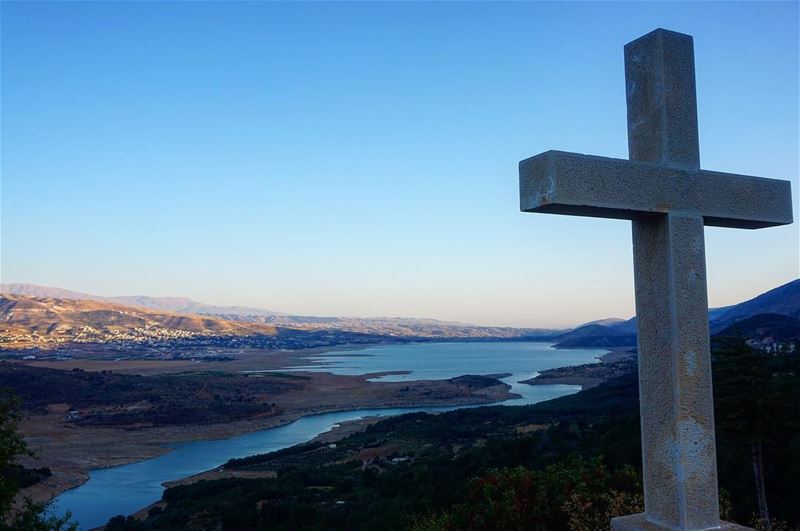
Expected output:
(70, 450)
(248, 360)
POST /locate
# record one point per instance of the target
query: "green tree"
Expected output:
(12, 446)
(30, 516)
(574, 495)
(750, 406)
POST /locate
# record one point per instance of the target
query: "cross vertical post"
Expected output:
(677, 408)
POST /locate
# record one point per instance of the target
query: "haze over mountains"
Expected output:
(783, 301)
(35, 312)
(37, 315)
(168, 304)
(86, 320)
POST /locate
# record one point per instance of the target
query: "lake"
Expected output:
(128, 488)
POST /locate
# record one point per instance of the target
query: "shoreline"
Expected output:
(283, 421)
(336, 433)
(611, 364)
(117, 446)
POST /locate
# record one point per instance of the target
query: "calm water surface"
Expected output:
(128, 488)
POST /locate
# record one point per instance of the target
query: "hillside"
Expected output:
(36, 321)
(783, 300)
(595, 335)
(608, 321)
(492, 467)
(167, 304)
(46, 322)
(64, 316)
(401, 327)
(765, 328)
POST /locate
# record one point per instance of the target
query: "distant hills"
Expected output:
(45, 317)
(595, 335)
(772, 308)
(166, 304)
(390, 326)
(39, 320)
(27, 310)
(607, 322)
(783, 300)
(764, 327)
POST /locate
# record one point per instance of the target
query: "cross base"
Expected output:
(638, 522)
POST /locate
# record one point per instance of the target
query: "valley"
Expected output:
(77, 420)
(106, 385)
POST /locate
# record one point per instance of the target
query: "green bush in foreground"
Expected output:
(27, 515)
(575, 495)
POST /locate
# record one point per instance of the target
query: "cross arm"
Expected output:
(558, 182)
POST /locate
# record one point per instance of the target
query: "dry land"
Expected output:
(96, 412)
(611, 365)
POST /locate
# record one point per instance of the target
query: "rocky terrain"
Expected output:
(33, 321)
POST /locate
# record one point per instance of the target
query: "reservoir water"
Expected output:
(128, 488)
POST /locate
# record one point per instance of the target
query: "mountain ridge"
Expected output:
(397, 326)
(610, 332)
(595, 335)
(47, 322)
(172, 304)
(33, 320)
(782, 300)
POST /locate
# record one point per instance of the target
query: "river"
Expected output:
(128, 488)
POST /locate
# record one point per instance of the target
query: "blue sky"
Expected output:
(361, 158)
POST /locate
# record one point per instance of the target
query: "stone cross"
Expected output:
(669, 199)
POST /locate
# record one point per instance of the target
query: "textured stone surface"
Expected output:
(679, 460)
(669, 200)
(557, 182)
(677, 412)
(638, 522)
(661, 98)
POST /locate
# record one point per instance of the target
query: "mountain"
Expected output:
(715, 313)
(45, 322)
(385, 326)
(39, 320)
(626, 327)
(399, 326)
(32, 290)
(595, 335)
(608, 321)
(610, 332)
(167, 304)
(764, 328)
(783, 300)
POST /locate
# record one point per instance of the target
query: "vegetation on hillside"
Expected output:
(20, 514)
(105, 398)
(757, 396)
(570, 463)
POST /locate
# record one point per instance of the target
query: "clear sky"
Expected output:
(361, 158)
